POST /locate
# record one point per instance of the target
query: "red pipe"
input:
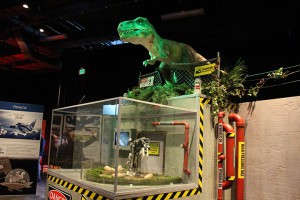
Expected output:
(221, 115)
(240, 152)
(185, 145)
(230, 143)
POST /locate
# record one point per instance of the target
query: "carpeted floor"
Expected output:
(40, 192)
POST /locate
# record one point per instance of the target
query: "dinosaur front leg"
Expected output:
(150, 61)
(165, 71)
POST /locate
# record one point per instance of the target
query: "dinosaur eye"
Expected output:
(140, 21)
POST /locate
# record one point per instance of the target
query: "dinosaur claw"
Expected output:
(145, 63)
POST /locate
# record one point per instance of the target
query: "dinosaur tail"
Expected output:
(197, 57)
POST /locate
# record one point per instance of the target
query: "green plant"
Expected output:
(221, 89)
(159, 93)
(229, 84)
(99, 175)
(276, 74)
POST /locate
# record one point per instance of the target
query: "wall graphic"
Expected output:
(83, 127)
(20, 132)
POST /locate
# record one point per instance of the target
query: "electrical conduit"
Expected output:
(221, 155)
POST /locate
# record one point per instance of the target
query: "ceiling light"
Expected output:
(25, 6)
(54, 38)
(182, 14)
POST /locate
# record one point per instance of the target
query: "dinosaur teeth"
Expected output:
(127, 31)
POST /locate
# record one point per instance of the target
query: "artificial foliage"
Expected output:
(159, 93)
(100, 176)
(223, 90)
(226, 87)
(276, 74)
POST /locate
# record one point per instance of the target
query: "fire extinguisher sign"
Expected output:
(241, 160)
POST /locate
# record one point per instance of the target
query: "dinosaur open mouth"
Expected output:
(125, 32)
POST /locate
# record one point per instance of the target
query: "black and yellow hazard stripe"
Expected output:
(76, 188)
(95, 196)
(232, 107)
(230, 178)
(171, 195)
(230, 134)
(203, 101)
(83, 198)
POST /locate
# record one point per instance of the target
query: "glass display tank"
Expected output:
(123, 148)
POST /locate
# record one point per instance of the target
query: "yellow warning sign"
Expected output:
(154, 148)
(241, 160)
(204, 70)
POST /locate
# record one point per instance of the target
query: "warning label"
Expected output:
(154, 148)
(146, 82)
(220, 178)
(241, 160)
(204, 70)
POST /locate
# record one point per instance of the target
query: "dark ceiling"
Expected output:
(80, 25)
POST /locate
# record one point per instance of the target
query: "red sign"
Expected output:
(56, 195)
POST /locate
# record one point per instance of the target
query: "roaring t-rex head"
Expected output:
(137, 31)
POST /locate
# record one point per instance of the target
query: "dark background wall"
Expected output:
(112, 71)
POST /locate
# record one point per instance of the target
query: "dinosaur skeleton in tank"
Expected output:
(138, 147)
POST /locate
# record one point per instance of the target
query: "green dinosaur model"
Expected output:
(170, 53)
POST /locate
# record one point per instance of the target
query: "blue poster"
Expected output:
(20, 121)
(20, 133)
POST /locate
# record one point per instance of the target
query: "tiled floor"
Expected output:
(40, 192)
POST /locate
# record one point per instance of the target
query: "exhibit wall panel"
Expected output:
(206, 154)
(272, 148)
